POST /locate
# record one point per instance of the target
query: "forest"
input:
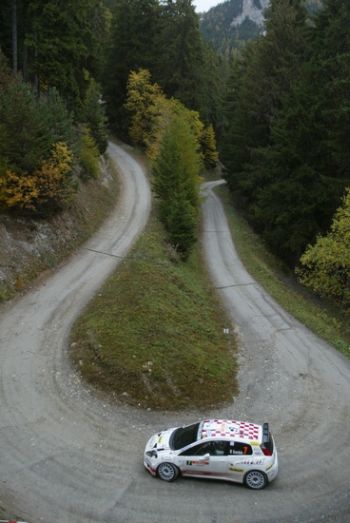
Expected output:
(71, 72)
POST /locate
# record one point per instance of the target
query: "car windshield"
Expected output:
(183, 436)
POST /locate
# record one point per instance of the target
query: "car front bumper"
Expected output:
(149, 467)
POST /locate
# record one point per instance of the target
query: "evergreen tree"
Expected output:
(94, 115)
(306, 168)
(58, 43)
(29, 127)
(260, 80)
(5, 71)
(135, 24)
(176, 184)
(180, 65)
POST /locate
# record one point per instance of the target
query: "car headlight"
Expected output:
(152, 453)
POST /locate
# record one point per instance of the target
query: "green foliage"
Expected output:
(128, 342)
(59, 44)
(164, 38)
(176, 171)
(36, 141)
(132, 46)
(210, 154)
(30, 126)
(172, 136)
(179, 69)
(89, 154)
(151, 112)
(5, 71)
(94, 115)
(325, 266)
(287, 120)
(63, 41)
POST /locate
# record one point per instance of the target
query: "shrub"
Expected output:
(43, 190)
(89, 154)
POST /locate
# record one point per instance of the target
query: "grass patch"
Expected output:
(322, 317)
(153, 336)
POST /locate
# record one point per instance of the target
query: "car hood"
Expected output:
(160, 440)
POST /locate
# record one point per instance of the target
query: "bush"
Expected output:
(89, 154)
(43, 190)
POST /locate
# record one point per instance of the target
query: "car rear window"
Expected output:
(183, 436)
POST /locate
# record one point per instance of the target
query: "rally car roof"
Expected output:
(229, 428)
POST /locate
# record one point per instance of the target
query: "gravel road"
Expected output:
(67, 455)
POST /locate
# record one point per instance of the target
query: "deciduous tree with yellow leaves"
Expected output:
(176, 141)
(45, 188)
(325, 266)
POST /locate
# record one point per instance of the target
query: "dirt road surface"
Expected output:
(67, 455)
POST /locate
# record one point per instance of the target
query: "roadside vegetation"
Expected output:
(285, 142)
(153, 337)
(57, 236)
(324, 318)
(178, 145)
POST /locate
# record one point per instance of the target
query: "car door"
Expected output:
(207, 459)
(195, 461)
(238, 460)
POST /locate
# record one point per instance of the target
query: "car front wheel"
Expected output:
(167, 471)
(255, 479)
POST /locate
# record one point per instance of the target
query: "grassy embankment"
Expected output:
(322, 317)
(153, 336)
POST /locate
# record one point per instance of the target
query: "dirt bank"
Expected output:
(29, 247)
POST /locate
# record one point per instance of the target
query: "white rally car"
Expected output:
(224, 449)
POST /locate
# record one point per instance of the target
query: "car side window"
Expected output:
(198, 450)
(220, 448)
(214, 448)
(237, 448)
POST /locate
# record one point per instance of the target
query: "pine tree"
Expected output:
(306, 168)
(179, 69)
(62, 45)
(176, 184)
(260, 81)
(135, 24)
(94, 115)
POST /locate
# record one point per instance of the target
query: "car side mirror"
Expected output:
(205, 457)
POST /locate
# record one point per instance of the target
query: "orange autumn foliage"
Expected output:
(50, 183)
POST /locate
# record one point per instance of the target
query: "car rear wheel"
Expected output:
(167, 471)
(255, 479)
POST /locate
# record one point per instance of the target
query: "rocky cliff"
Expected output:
(230, 24)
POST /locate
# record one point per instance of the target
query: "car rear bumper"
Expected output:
(273, 471)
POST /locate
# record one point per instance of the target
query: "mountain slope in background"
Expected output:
(230, 24)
